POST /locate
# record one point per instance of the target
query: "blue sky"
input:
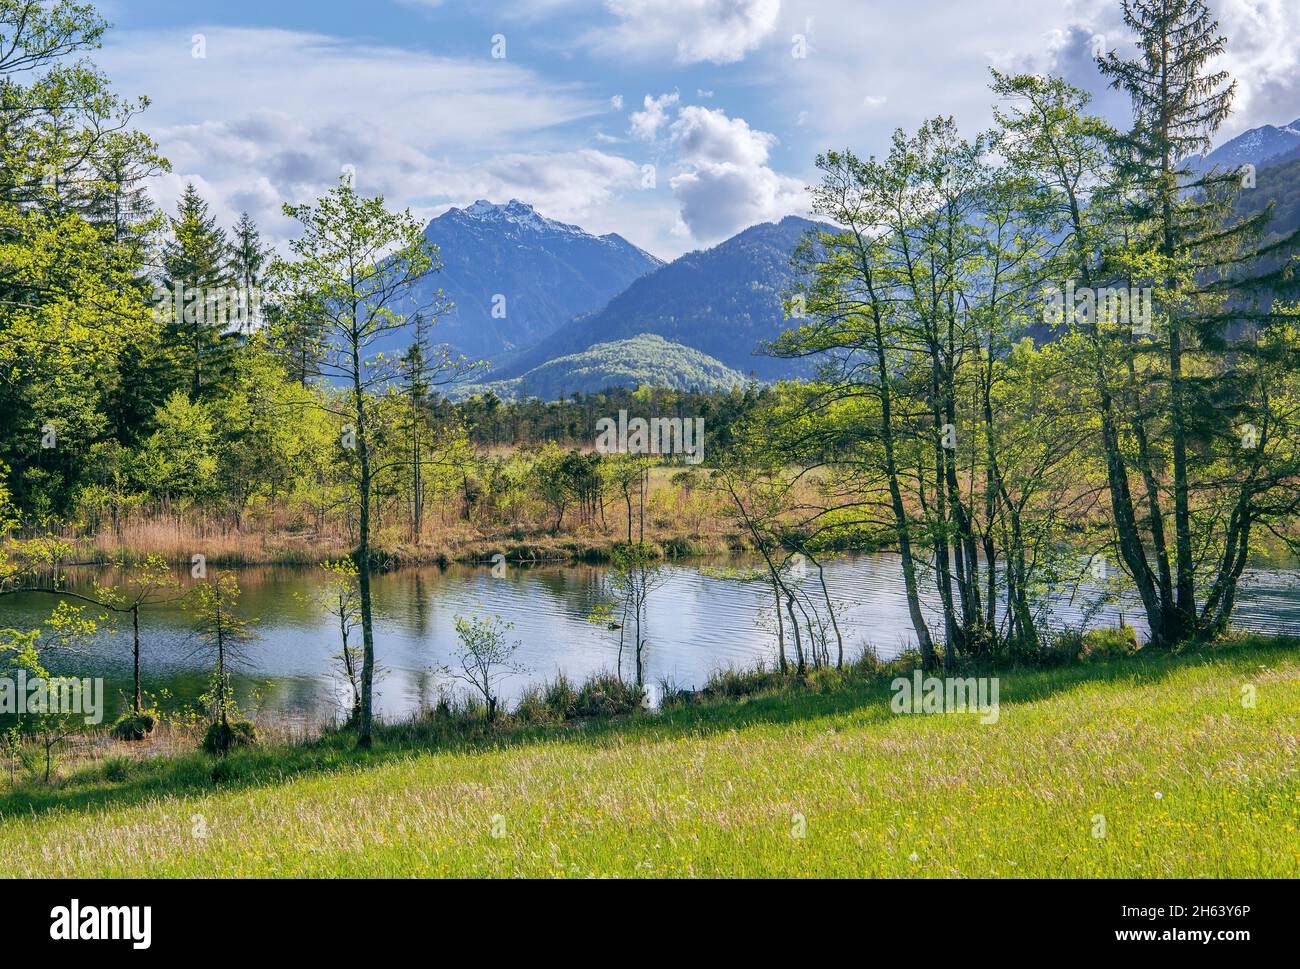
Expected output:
(673, 122)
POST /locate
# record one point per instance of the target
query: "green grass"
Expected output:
(719, 789)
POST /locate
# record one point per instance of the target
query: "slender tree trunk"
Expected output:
(135, 629)
(780, 631)
(801, 665)
(901, 523)
(364, 731)
(830, 609)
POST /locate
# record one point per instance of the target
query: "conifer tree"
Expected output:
(197, 268)
(249, 259)
(1216, 280)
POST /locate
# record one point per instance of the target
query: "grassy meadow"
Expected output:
(1148, 766)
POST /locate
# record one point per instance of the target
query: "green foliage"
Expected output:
(134, 726)
(608, 696)
(484, 657)
(224, 636)
(64, 631)
(1109, 642)
(223, 737)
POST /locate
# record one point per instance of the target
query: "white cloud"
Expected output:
(273, 116)
(645, 124)
(570, 186)
(718, 200)
(1264, 56)
(719, 31)
(707, 136)
(442, 100)
(724, 183)
(930, 57)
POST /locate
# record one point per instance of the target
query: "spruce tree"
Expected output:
(1216, 279)
(248, 260)
(197, 259)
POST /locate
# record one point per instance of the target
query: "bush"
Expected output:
(221, 738)
(604, 695)
(745, 682)
(1110, 642)
(607, 696)
(868, 662)
(672, 696)
(134, 726)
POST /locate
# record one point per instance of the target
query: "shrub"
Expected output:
(134, 726)
(739, 683)
(671, 695)
(868, 662)
(607, 696)
(222, 737)
(1110, 642)
(533, 708)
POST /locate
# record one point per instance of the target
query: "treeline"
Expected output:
(490, 420)
(1147, 442)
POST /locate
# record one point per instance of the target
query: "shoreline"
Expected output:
(518, 550)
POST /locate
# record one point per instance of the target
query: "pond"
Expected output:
(697, 623)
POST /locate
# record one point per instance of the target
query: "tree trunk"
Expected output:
(135, 624)
(364, 728)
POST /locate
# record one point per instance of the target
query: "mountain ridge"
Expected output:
(513, 276)
(740, 283)
(1263, 146)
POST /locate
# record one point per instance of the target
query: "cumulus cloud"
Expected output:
(1264, 56)
(718, 200)
(645, 124)
(723, 182)
(707, 136)
(718, 31)
(928, 57)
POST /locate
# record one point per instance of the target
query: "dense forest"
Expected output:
(1044, 353)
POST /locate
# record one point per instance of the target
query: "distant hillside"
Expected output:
(641, 360)
(723, 301)
(1280, 184)
(545, 273)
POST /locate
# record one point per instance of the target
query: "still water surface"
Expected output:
(696, 624)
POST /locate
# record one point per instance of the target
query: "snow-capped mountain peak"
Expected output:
(517, 214)
(1260, 147)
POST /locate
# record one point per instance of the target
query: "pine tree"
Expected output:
(199, 279)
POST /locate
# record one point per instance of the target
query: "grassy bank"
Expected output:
(800, 779)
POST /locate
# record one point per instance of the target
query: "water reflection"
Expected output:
(696, 624)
